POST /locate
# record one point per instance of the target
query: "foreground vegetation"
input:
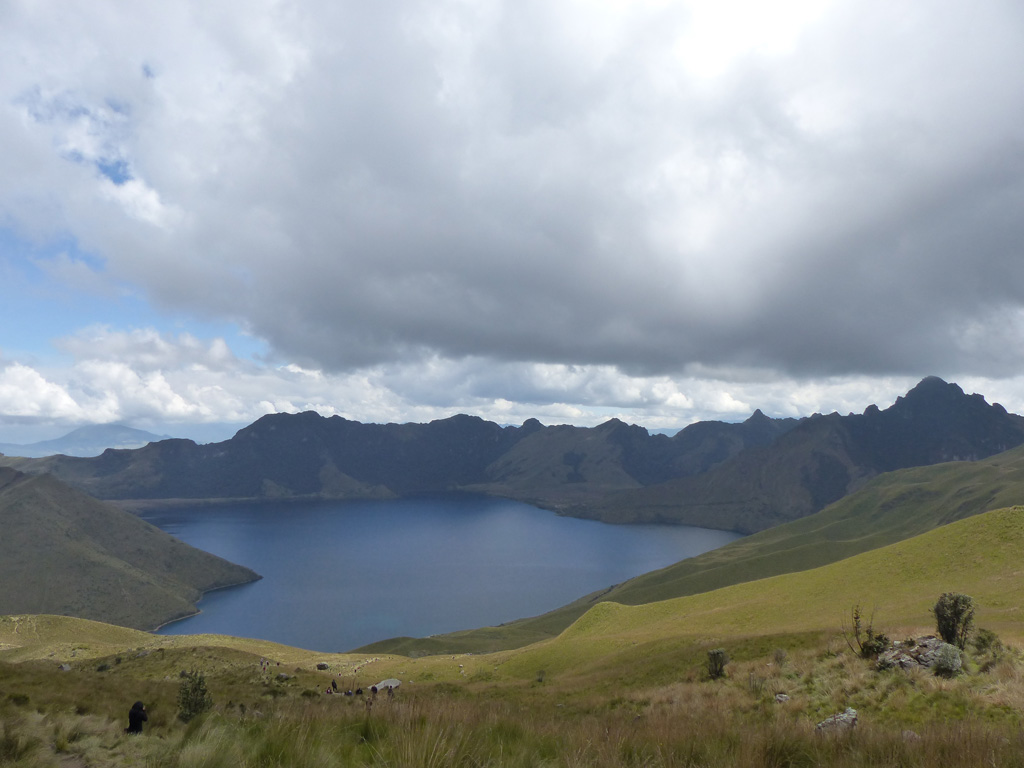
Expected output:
(678, 717)
(624, 685)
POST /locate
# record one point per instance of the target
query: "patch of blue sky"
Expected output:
(120, 107)
(118, 171)
(37, 307)
(106, 124)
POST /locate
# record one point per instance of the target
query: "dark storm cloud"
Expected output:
(371, 184)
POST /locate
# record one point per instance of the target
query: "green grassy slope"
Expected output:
(63, 552)
(979, 556)
(890, 508)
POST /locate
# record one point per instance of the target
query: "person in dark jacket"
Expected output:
(136, 717)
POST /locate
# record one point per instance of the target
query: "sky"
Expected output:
(658, 211)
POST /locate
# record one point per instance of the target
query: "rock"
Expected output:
(843, 721)
(283, 676)
(919, 652)
(322, 665)
(780, 698)
(64, 667)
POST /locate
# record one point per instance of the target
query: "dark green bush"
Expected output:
(986, 641)
(193, 698)
(954, 616)
(717, 659)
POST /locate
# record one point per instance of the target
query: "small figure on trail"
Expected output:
(334, 684)
(136, 717)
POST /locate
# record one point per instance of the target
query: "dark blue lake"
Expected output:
(338, 575)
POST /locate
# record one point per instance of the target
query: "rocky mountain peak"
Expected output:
(757, 417)
(933, 388)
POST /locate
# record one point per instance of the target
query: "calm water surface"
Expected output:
(337, 575)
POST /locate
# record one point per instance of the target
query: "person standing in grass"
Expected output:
(136, 717)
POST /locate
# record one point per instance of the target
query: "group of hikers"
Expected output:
(333, 688)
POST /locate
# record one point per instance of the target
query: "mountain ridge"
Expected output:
(744, 477)
(822, 459)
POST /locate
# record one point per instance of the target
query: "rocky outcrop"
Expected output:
(921, 652)
(843, 721)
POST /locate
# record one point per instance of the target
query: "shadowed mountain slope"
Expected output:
(821, 460)
(744, 477)
(308, 456)
(63, 552)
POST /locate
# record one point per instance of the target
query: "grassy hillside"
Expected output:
(900, 583)
(621, 686)
(891, 508)
(63, 552)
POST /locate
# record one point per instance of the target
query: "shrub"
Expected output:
(717, 659)
(954, 616)
(193, 698)
(986, 641)
(863, 640)
(947, 661)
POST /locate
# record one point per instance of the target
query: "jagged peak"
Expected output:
(934, 384)
(931, 389)
(757, 417)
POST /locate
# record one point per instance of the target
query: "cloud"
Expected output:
(150, 379)
(144, 377)
(24, 393)
(575, 206)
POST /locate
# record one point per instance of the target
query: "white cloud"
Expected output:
(144, 377)
(26, 393)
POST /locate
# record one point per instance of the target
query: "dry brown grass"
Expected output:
(48, 717)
